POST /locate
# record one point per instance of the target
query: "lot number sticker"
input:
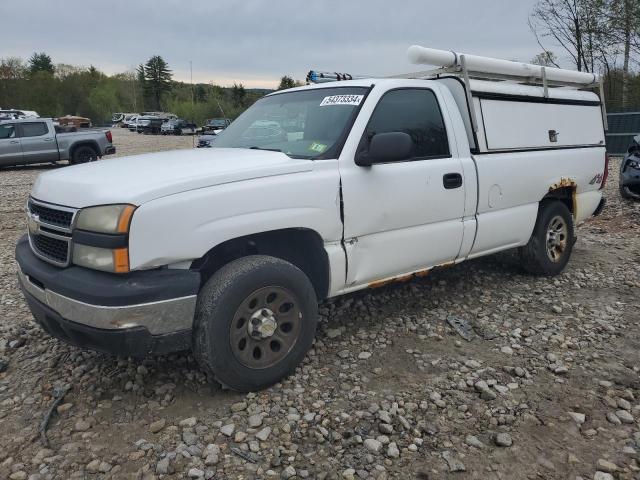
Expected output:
(341, 100)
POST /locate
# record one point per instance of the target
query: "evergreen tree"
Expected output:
(157, 79)
(286, 82)
(40, 62)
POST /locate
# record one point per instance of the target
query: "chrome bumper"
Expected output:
(161, 317)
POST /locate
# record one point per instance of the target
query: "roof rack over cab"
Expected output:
(469, 67)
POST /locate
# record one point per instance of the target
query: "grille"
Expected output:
(59, 218)
(52, 248)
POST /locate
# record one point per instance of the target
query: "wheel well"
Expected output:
(302, 247)
(566, 195)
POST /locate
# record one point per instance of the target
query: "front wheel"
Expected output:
(255, 321)
(551, 242)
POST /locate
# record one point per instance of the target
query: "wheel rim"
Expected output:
(557, 238)
(85, 156)
(265, 327)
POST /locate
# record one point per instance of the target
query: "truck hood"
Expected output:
(141, 178)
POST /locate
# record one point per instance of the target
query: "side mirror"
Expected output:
(386, 147)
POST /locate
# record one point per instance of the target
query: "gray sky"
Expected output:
(257, 41)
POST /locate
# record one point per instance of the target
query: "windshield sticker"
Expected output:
(317, 147)
(341, 100)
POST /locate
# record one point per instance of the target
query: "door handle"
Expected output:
(452, 180)
(48, 139)
(14, 141)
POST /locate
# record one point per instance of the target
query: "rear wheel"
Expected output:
(255, 321)
(84, 154)
(551, 242)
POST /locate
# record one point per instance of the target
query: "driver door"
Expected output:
(403, 216)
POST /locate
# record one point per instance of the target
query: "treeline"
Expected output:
(57, 90)
(601, 36)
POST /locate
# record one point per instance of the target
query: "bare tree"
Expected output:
(573, 25)
(624, 21)
(545, 59)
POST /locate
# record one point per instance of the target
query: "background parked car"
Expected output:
(178, 127)
(206, 140)
(630, 171)
(74, 121)
(215, 125)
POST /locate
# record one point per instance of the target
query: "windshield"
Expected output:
(217, 123)
(301, 124)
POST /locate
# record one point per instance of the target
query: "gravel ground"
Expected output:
(548, 387)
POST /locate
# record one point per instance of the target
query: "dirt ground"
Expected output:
(548, 388)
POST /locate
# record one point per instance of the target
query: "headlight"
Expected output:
(112, 220)
(105, 259)
(634, 164)
(105, 219)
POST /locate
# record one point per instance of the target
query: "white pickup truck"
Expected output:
(352, 185)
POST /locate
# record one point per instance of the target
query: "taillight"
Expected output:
(108, 135)
(605, 174)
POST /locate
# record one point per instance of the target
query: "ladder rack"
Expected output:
(485, 69)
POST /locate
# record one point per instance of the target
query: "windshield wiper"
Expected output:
(267, 149)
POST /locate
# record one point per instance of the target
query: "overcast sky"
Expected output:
(257, 41)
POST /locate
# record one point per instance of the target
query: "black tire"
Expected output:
(548, 253)
(227, 297)
(624, 192)
(84, 154)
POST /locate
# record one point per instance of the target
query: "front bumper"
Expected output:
(630, 177)
(137, 314)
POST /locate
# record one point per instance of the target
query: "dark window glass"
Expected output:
(7, 131)
(415, 112)
(35, 129)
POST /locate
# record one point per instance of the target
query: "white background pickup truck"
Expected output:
(354, 184)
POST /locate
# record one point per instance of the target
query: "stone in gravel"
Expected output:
(625, 416)
(195, 473)
(385, 428)
(613, 418)
(624, 404)
(392, 450)
(364, 355)
(104, 467)
(602, 476)
(19, 475)
(503, 440)
(93, 466)
(606, 466)
(288, 472)
(189, 438)
(473, 441)
(349, 474)
(507, 350)
(4, 364)
(82, 426)
(239, 406)
(372, 445)
(579, 418)
(158, 425)
(556, 308)
(384, 416)
(189, 422)
(263, 434)
(255, 420)
(334, 332)
(65, 407)
(228, 429)
(454, 463)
